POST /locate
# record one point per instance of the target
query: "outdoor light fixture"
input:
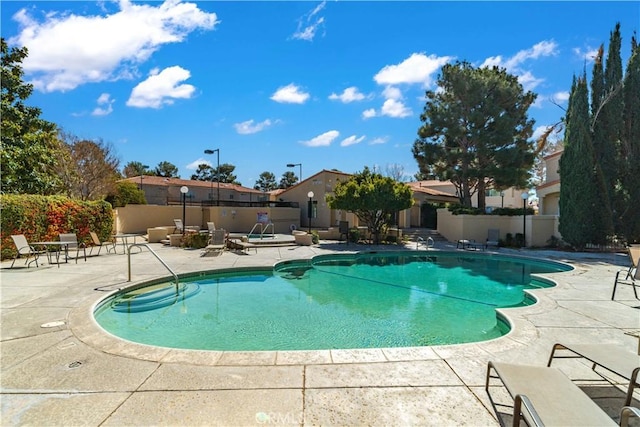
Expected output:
(217, 150)
(310, 208)
(144, 167)
(293, 165)
(502, 196)
(184, 190)
(525, 196)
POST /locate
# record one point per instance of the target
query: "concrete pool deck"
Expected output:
(59, 368)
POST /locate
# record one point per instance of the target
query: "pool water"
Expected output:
(339, 301)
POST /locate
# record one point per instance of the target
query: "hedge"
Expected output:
(43, 218)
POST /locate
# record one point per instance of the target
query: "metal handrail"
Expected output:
(263, 228)
(175, 276)
(429, 243)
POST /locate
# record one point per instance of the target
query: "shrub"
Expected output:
(196, 240)
(42, 218)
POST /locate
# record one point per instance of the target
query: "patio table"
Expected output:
(57, 247)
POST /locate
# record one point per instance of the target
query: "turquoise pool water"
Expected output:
(367, 300)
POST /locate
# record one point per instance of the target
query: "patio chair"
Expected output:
(180, 228)
(217, 243)
(74, 245)
(631, 278)
(109, 244)
(24, 248)
(545, 396)
(614, 358)
(634, 256)
(493, 238)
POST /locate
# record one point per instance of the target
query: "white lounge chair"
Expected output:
(631, 278)
(545, 396)
(612, 357)
(217, 243)
(493, 238)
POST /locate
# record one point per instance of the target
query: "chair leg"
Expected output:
(615, 285)
(14, 260)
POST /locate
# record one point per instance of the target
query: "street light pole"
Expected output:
(525, 196)
(217, 150)
(293, 165)
(184, 190)
(310, 208)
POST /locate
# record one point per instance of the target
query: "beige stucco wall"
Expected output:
(137, 218)
(538, 228)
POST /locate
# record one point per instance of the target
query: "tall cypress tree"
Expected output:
(611, 122)
(603, 150)
(582, 213)
(630, 147)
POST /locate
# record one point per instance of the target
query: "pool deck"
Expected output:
(59, 368)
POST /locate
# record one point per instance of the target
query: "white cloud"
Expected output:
(544, 48)
(350, 94)
(418, 68)
(379, 140)
(513, 64)
(560, 97)
(323, 140)
(248, 127)
(68, 50)
(588, 54)
(161, 88)
(367, 114)
(352, 140)
(290, 94)
(391, 92)
(395, 108)
(528, 80)
(194, 165)
(309, 24)
(105, 105)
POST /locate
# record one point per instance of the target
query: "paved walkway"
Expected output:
(59, 368)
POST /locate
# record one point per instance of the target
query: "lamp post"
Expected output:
(184, 190)
(310, 208)
(293, 165)
(144, 168)
(525, 196)
(502, 196)
(217, 150)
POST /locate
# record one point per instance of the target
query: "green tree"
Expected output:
(373, 198)
(132, 169)
(96, 169)
(288, 179)
(166, 169)
(476, 130)
(209, 173)
(583, 216)
(630, 149)
(266, 182)
(204, 172)
(30, 146)
(126, 192)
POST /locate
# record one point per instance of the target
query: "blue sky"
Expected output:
(331, 85)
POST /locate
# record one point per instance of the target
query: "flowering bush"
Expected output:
(43, 218)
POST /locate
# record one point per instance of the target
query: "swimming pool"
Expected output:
(364, 300)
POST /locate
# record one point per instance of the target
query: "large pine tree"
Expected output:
(582, 214)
